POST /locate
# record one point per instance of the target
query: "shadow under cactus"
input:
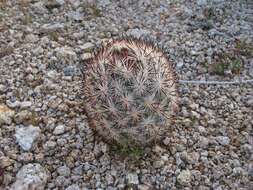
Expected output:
(127, 152)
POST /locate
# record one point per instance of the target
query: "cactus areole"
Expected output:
(130, 91)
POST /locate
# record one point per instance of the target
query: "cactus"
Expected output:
(130, 91)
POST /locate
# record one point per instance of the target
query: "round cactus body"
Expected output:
(130, 91)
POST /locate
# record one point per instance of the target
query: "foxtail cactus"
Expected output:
(130, 91)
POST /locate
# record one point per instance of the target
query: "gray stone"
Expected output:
(13, 104)
(63, 171)
(180, 65)
(202, 129)
(185, 157)
(201, 2)
(73, 187)
(250, 101)
(203, 141)
(39, 8)
(61, 141)
(31, 176)
(250, 171)
(218, 1)
(166, 141)
(3, 88)
(31, 38)
(61, 2)
(87, 47)
(70, 71)
(165, 157)
(47, 28)
(214, 32)
(50, 145)
(109, 179)
(53, 4)
(65, 52)
(144, 187)
(138, 32)
(158, 164)
(178, 159)
(75, 3)
(78, 170)
(184, 178)
(104, 3)
(251, 69)
(132, 178)
(60, 181)
(26, 136)
(239, 171)
(52, 74)
(223, 140)
(158, 150)
(25, 104)
(60, 129)
(76, 15)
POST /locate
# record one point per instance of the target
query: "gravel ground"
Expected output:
(45, 142)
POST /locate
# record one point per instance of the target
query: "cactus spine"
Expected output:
(130, 91)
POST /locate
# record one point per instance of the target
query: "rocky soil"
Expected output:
(45, 142)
